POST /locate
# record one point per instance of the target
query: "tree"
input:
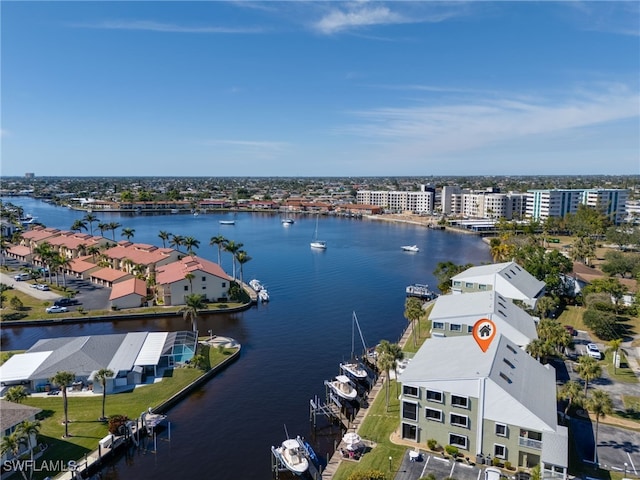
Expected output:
(78, 226)
(589, 369)
(388, 356)
(193, 303)
(16, 394)
(189, 277)
(101, 376)
(164, 236)
(220, 242)
(90, 218)
(412, 312)
(128, 232)
(113, 226)
(600, 405)
(63, 380)
(572, 392)
(176, 241)
(13, 443)
(102, 227)
(233, 247)
(539, 349)
(30, 430)
(614, 346)
(191, 243)
(242, 258)
(445, 271)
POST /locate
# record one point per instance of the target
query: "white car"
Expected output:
(56, 309)
(593, 351)
(492, 473)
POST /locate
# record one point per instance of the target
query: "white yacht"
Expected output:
(343, 387)
(293, 455)
(410, 248)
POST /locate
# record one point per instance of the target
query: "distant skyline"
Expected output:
(320, 88)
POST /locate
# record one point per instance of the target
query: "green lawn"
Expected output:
(84, 411)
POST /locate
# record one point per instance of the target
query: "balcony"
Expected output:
(528, 442)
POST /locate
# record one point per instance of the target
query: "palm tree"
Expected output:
(63, 380)
(102, 227)
(388, 356)
(113, 226)
(16, 394)
(601, 405)
(128, 232)
(242, 258)
(233, 247)
(589, 369)
(220, 242)
(176, 241)
(90, 218)
(102, 376)
(413, 312)
(571, 391)
(30, 430)
(191, 243)
(539, 349)
(193, 303)
(189, 277)
(93, 250)
(164, 236)
(13, 443)
(78, 226)
(61, 263)
(614, 345)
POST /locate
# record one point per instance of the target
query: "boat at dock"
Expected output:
(263, 295)
(293, 455)
(354, 367)
(410, 248)
(421, 291)
(255, 284)
(343, 387)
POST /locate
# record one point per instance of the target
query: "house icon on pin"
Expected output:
(485, 331)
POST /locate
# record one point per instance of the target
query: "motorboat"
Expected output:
(421, 291)
(293, 455)
(343, 387)
(255, 284)
(263, 295)
(410, 248)
(287, 221)
(227, 222)
(355, 369)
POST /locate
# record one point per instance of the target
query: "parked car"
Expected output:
(593, 351)
(571, 330)
(492, 473)
(22, 276)
(65, 302)
(42, 286)
(57, 309)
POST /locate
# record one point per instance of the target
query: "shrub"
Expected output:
(495, 462)
(367, 475)
(117, 424)
(602, 323)
(451, 450)
(432, 443)
(431, 476)
(508, 465)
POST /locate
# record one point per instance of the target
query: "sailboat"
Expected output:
(354, 367)
(315, 243)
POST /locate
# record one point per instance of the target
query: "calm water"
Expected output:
(290, 345)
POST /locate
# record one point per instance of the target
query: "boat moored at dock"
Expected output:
(421, 291)
(293, 455)
(343, 387)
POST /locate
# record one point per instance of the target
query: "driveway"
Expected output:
(440, 467)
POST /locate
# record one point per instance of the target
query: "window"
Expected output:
(513, 350)
(505, 377)
(204, 287)
(432, 414)
(458, 401)
(457, 283)
(204, 279)
(410, 391)
(434, 396)
(469, 328)
(438, 325)
(410, 411)
(410, 432)
(499, 451)
(502, 313)
(458, 440)
(509, 363)
(482, 287)
(468, 285)
(455, 327)
(459, 420)
(186, 288)
(224, 284)
(501, 430)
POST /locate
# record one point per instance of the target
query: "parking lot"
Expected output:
(441, 468)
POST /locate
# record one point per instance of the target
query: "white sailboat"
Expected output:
(315, 243)
(354, 367)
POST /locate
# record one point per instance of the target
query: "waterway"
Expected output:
(290, 345)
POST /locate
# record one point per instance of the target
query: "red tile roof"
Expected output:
(175, 271)
(128, 287)
(109, 274)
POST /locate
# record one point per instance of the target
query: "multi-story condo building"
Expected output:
(499, 403)
(543, 204)
(399, 201)
(447, 198)
(486, 204)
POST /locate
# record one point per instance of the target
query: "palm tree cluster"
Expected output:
(53, 261)
(25, 434)
(389, 354)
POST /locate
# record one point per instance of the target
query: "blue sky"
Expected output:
(320, 88)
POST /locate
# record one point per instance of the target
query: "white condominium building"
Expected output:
(398, 201)
(543, 204)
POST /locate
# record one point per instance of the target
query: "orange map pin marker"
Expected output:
(484, 331)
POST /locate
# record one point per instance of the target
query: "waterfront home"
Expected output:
(499, 403)
(508, 278)
(454, 315)
(129, 355)
(13, 414)
(139, 258)
(130, 293)
(189, 275)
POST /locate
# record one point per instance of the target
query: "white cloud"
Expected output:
(339, 20)
(475, 122)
